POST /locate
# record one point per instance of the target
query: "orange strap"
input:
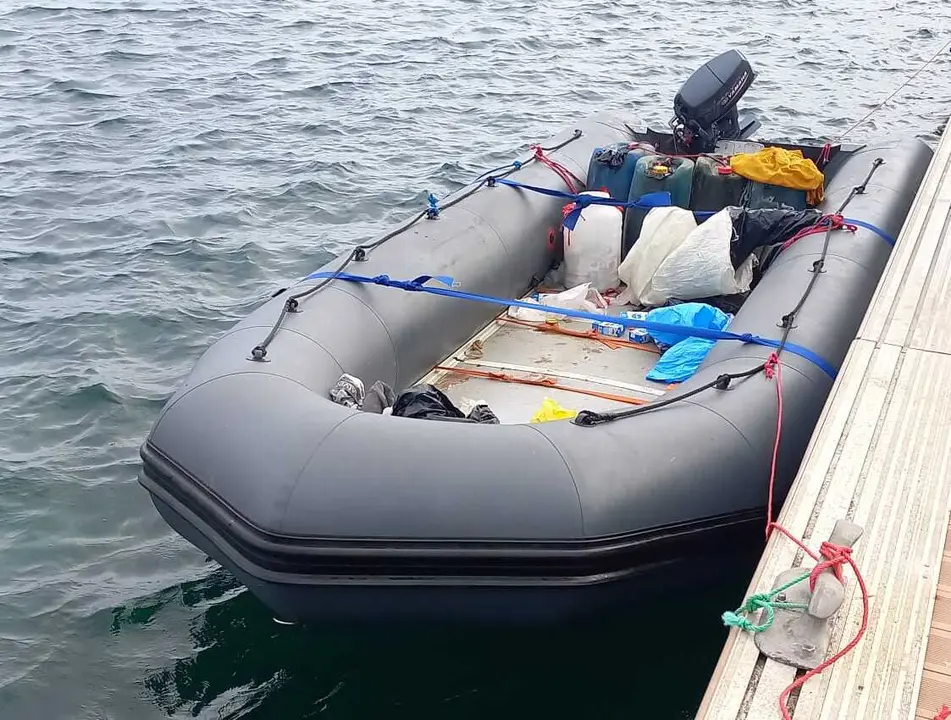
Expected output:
(542, 382)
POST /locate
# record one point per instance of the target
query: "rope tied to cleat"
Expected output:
(739, 618)
(830, 557)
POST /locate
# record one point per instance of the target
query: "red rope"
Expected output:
(944, 713)
(835, 222)
(568, 177)
(835, 556)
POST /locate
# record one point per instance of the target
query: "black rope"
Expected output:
(359, 253)
(590, 418)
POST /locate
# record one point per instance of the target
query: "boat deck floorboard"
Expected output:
(582, 370)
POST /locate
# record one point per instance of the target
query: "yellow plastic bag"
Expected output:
(550, 410)
(786, 168)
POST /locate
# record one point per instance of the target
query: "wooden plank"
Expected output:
(909, 245)
(550, 372)
(936, 676)
(880, 456)
(904, 505)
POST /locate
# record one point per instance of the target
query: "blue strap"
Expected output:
(419, 285)
(868, 226)
(650, 200)
(432, 212)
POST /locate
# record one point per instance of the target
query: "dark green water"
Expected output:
(165, 166)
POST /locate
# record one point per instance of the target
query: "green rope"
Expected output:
(762, 601)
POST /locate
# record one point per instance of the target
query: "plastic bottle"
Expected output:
(611, 168)
(593, 248)
(656, 173)
(715, 186)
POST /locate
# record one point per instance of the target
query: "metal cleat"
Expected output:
(801, 637)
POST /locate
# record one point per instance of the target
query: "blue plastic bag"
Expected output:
(684, 354)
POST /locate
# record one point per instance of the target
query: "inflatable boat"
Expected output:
(326, 510)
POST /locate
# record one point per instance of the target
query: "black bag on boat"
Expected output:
(428, 402)
(753, 229)
(729, 304)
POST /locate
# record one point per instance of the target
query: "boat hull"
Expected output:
(325, 512)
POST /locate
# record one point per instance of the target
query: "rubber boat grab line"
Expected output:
(563, 374)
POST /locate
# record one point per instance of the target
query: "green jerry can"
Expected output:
(715, 185)
(656, 173)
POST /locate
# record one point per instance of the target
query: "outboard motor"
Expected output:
(705, 107)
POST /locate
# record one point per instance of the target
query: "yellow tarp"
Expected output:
(786, 168)
(550, 410)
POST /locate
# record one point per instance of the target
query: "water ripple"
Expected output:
(165, 166)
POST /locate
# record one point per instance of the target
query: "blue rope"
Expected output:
(650, 200)
(419, 285)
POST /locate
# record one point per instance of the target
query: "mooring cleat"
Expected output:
(800, 636)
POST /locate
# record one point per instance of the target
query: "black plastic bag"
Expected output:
(428, 402)
(613, 155)
(483, 414)
(729, 304)
(753, 229)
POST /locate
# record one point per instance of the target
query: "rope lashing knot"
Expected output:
(574, 208)
(769, 367)
(826, 223)
(761, 601)
(432, 212)
(572, 181)
(387, 281)
(835, 557)
(738, 618)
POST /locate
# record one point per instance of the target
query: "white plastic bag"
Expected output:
(580, 297)
(663, 231)
(593, 248)
(700, 266)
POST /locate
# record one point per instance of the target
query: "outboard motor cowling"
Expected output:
(705, 109)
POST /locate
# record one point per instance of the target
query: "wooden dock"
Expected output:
(879, 457)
